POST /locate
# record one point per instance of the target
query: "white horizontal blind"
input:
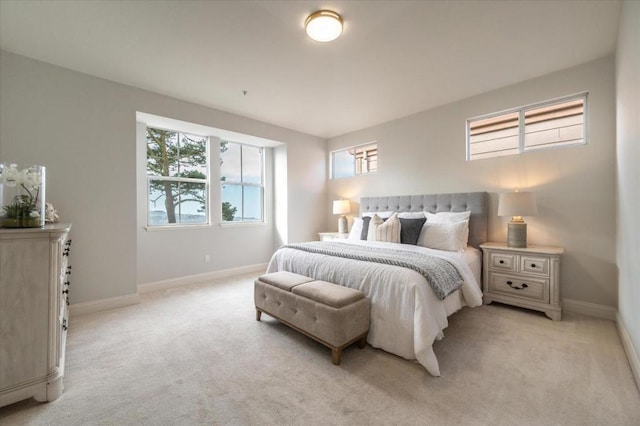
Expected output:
(366, 158)
(554, 125)
(494, 136)
(548, 124)
(354, 161)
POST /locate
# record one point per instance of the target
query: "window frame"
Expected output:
(207, 186)
(261, 185)
(355, 166)
(522, 110)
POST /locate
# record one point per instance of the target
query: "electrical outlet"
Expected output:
(207, 258)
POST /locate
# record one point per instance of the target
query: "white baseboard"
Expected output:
(198, 278)
(103, 304)
(590, 309)
(632, 355)
(133, 299)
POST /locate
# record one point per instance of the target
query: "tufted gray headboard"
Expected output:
(476, 202)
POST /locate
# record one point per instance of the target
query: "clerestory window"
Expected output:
(354, 161)
(549, 124)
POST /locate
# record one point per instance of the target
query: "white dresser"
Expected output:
(526, 277)
(34, 290)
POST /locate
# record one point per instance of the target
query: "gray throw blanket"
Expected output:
(443, 277)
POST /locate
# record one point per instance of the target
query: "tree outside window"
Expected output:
(178, 178)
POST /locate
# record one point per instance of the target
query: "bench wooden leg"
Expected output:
(258, 314)
(362, 342)
(335, 356)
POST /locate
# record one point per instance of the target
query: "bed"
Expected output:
(406, 314)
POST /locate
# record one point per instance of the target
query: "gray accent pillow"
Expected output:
(365, 227)
(410, 230)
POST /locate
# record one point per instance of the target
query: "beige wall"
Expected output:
(83, 129)
(628, 160)
(575, 186)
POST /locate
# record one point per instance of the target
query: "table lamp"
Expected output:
(342, 207)
(517, 204)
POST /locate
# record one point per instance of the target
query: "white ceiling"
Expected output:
(394, 58)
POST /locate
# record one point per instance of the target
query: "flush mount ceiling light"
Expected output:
(323, 25)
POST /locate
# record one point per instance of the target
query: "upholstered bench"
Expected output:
(333, 315)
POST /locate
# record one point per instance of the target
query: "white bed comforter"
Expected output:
(406, 315)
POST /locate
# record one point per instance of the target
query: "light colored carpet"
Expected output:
(196, 355)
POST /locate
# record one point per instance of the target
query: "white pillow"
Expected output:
(447, 217)
(356, 229)
(411, 215)
(383, 215)
(451, 217)
(443, 236)
(388, 231)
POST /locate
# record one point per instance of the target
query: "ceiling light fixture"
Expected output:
(323, 25)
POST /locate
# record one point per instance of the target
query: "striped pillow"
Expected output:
(388, 231)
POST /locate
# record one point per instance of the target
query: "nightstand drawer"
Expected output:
(330, 236)
(503, 261)
(529, 288)
(535, 265)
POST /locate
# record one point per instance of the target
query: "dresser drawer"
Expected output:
(534, 265)
(525, 287)
(503, 261)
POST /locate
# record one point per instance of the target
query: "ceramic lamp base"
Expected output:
(342, 225)
(517, 235)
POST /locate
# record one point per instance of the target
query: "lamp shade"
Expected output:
(341, 207)
(517, 204)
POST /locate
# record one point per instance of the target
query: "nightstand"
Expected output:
(328, 236)
(526, 277)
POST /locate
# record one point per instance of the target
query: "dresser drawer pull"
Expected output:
(64, 325)
(502, 261)
(65, 291)
(67, 283)
(533, 265)
(68, 270)
(510, 283)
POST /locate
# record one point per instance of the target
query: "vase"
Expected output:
(22, 196)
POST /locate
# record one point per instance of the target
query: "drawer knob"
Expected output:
(502, 261)
(515, 287)
(533, 265)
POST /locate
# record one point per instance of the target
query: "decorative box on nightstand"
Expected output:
(526, 277)
(328, 236)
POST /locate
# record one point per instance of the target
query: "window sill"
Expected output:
(176, 227)
(241, 224)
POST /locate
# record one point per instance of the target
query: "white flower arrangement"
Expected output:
(23, 209)
(29, 178)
